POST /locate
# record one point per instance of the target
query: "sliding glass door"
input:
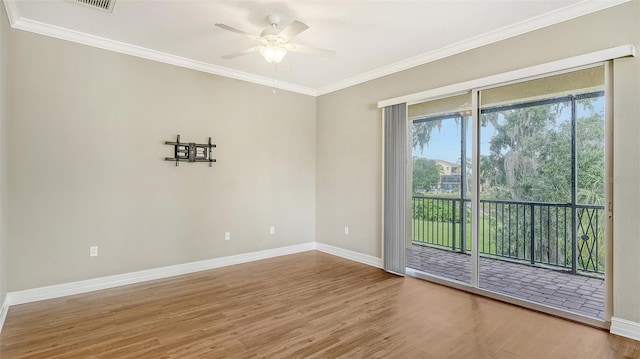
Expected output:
(542, 194)
(539, 222)
(441, 195)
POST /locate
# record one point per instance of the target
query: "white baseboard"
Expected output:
(89, 285)
(351, 255)
(625, 328)
(3, 312)
(622, 327)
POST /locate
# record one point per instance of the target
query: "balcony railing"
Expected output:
(537, 233)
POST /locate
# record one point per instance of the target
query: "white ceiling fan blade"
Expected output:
(310, 50)
(239, 32)
(241, 53)
(293, 30)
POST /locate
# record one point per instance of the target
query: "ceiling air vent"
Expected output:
(106, 5)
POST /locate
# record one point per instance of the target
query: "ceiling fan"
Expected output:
(275, 41)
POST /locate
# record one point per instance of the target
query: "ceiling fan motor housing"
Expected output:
(271, 33)
(274, 20)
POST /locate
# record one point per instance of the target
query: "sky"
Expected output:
(445, 142)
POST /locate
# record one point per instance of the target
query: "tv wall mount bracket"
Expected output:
(191, 152)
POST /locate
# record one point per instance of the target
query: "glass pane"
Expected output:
(590, 147)
(441, 213)
(541, 236)
(526, 152)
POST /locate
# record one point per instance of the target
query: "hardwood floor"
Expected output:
(304, 305)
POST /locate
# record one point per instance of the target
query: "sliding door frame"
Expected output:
(474, 285)
(475, 187)
(597, 58)
(608, 189)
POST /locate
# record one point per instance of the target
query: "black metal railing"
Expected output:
(538, 233)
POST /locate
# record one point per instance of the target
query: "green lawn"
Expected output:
(440, 233)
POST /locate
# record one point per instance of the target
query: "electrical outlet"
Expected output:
(346, 230)
(272, 230)
(93, 251)
(227, 236)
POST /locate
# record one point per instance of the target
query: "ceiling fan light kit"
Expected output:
(273, 53)
(275, 42)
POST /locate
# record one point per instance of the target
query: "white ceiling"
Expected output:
(371, 38)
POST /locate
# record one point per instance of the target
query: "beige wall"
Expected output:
(4, 46)
(349, 135)
(87, 132)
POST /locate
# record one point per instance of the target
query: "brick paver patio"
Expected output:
(574, 293)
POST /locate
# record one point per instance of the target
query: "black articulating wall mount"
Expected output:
(191, 152)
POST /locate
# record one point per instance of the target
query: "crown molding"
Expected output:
(37, 27)
(13, 13)
(567, 13)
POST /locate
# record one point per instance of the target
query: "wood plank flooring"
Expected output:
(307, 305)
